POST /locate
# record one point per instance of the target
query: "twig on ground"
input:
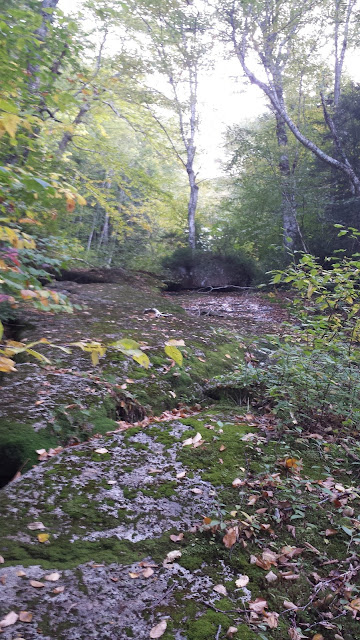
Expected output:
(218, 633)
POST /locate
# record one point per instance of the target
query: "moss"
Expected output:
(207, 625)
(65, 553)
(207, 458)
(18, 444)
(161, 490)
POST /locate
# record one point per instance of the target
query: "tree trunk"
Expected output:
(68, 136)
(194, 193)
(41, 34)
(291, 237)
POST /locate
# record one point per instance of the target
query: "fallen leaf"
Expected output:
(318, 636)
(9, 619)
(134, 575)
(147, 573)
(259, 605)
(181, 474)
(271, 619)
(230, 537)
(289, 605)
(37, 584)
(355, 604)
(197, 491)
(222, 447)
(237, 482)
(114, 579)
(294, 634)
(176, 538)
(20, 574)
(101, 450)
(171, 556)
(330, 532)
(230, 632)
(271, 576)
(33, 526)
(2, 560)
(219, 588)
(53, 577)
(242, 581)
(43, 537)
(155, 471)
(158, 630)
(58, 590)
(25, 616)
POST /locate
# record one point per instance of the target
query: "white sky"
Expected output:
(225, 99)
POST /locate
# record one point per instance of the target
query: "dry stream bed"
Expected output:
(130, 533)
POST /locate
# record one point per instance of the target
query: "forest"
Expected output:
(179, 319)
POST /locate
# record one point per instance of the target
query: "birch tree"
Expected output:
(266, 37)
(179, 50)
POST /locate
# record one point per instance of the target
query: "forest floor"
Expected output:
(205, 522)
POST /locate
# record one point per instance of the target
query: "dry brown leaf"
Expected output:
(318, 636)
(25, 616)
(147, 573)
(258, 606)
(330, 532)
(220, 588)
(237, 482)
(294, 634)
(289, 605)
(158, 630)
(171, 556)
(134, 575)
(271, 619)
(9, 619)
(53, 577)
(230, 632)
(271, 577)
(176, 538)
(2, 560)
(197, 491)
(230, 537)
(33, 526)
(253, 500)
(20, 574)
(181, 474)
(102, 450)
(242, 581)
(37, 584)
(222, 447)
(58, 590)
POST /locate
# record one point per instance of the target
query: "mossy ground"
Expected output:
(273, 506)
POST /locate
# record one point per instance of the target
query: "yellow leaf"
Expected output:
(95, 358)
(142, 359)
(10, 123)
(174, 354)
(6, 364)
(81, 200)
(43, 537)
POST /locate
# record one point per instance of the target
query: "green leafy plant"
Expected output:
(311, 374)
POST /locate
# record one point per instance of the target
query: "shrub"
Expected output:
(209, 268)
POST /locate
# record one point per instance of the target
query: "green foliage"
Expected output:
(311, 374)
